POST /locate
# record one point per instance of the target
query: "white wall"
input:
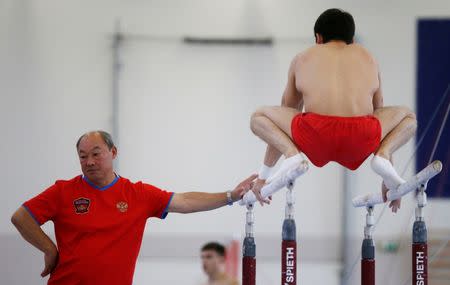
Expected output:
(184, 122)
(66, 50)
(55, 72)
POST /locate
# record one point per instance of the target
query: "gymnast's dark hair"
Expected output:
(335, 24)
(215, 246)
(107, 138)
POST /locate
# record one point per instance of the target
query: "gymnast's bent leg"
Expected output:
(398, 125)
(273, 126)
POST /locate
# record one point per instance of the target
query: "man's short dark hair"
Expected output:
(107, 138)
(214, 246)
(335, 24)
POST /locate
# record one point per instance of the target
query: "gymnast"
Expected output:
(337, 82)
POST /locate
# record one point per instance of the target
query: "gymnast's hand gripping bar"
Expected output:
(413, 183)
(276, 184)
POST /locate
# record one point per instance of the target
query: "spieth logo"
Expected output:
(122, 207)
(420, 267)
(81, 205)
(290, 265)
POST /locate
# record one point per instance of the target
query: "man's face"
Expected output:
(211, 261)
(95, 158)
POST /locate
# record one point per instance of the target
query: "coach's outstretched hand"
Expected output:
(259, 184)
(243, 187)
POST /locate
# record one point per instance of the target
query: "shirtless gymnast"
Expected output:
(338, 84)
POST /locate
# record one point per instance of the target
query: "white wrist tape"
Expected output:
(264, 172)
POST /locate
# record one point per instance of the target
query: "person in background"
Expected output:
(213, 263)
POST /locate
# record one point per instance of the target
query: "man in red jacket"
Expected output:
(99, 217)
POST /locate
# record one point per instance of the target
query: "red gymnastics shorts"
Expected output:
(345, 140)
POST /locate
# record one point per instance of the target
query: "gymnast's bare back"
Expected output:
(336, 79)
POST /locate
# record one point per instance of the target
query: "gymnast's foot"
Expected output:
(382, 165)
(287, 165)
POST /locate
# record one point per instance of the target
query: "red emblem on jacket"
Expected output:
(122, 207)
(81, 205)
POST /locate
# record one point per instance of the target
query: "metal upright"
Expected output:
(249, 250)
(419, 241)
(289, 242)
(368, 251)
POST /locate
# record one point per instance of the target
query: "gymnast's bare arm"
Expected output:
(377, 99)
(292, 96)
(190, 202)
(33, 233)
(377, 102)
